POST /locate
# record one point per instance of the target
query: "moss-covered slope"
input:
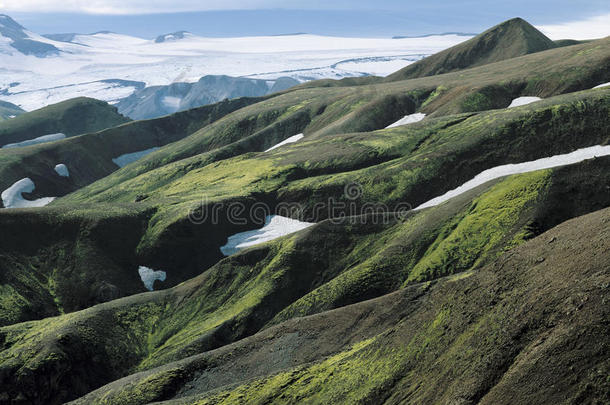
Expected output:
(72, 117)
(358, 259)
(405, 165)
(510, 39)
(89, 157)
(527, 328)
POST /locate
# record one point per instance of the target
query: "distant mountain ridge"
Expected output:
(510, 39)
(22, 41)
(156, 101)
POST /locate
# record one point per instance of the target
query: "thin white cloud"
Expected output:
(591, 28)
(131, 6)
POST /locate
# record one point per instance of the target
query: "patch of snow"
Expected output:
(407, 119)
(275, 227)
(128, 158)
(602, 85)
(62, 170)
(149, 276)
(292, 139)
(35, 141)
(12, 116)
(519, 101)
(525, 167)
(12, 198)
(173, 103)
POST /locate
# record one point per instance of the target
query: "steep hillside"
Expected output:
(90, 157)
(528, 328)
(395, 166)
(358, 259)
(507, 40)
(71, 118)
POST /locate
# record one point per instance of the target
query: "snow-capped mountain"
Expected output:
(36, 71)
(15, 38)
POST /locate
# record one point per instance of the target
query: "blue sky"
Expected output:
(381, 18)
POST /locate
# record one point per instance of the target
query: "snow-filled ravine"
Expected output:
(36, 141)
(149, 276)
(62, 170)
(128, 158)
(407, 119)
(275, 227)
(292, 139)
(519, 101)
(525, 167)
(12, 198)
(602, 85)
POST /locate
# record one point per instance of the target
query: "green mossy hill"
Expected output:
(278, 281)
(9, 111)
(527, 328)
(72, 117)
(89, 157)
(407, 164)
(512, 38)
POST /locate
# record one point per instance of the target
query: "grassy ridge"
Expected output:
(281, 280)
(89, 157)
(510, 39)
(400, 165)
(72, 117)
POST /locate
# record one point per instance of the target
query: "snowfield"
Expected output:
(35, 141)
(407, 119)
(62, 170)
(275, 227)
(519, 101)
(292, 139)
(507, 170)
(12, 198)
(602, 85)
(84, 63)
(128, 158)
(149, 276)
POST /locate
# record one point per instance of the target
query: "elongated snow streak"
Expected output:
(275, 227)
(292, 139)
(602, 85)
(407, 119)
(12, 198)
(149, 276)
(506, 170)
(519, 101)
(128, 158)
(35, 141)
(62, 170)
